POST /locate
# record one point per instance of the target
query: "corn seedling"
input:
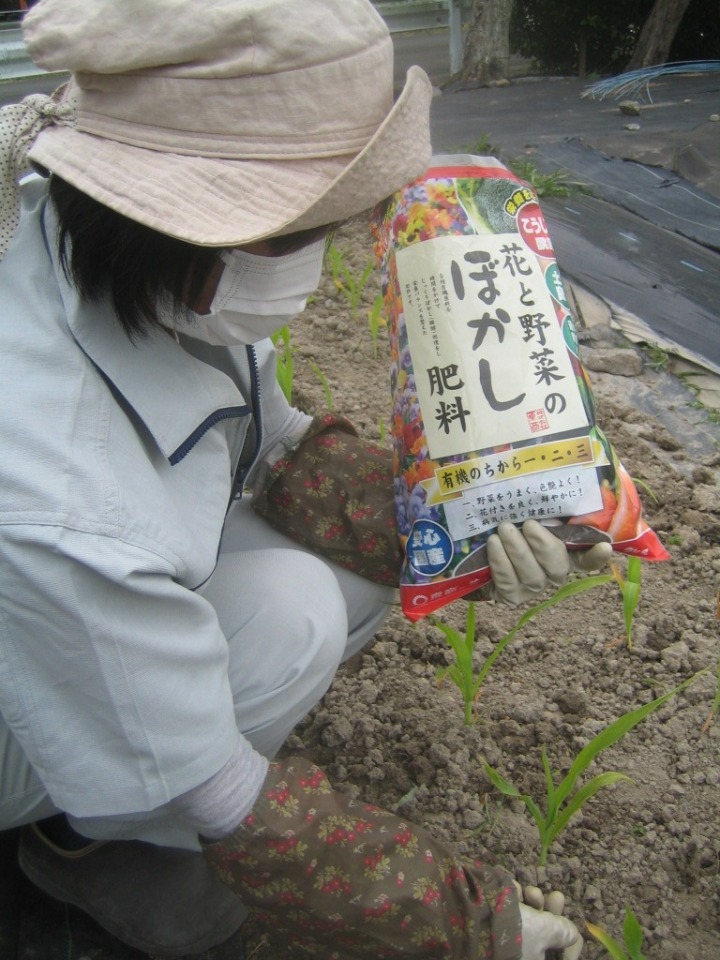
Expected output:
(325, 385)
(646, 487)
(355, 288)
(350, 285)
(285, 367)
(632, 935)
(462, 672)
(406, 798)
(489, 822)
(630, 587)
(375, 321)
(285, 361)
(561, 804)
(335, 260)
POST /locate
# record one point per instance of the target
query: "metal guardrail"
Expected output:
(404, 16)
(14, 60)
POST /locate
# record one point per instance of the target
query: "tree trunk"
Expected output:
(658, 33)
(486, 53)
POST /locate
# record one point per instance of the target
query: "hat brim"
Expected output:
(225, 202)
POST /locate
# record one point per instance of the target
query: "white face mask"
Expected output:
(256, 296)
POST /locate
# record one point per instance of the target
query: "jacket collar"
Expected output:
(172, 392)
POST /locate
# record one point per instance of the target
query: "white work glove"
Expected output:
(525, 562)
(544, 928)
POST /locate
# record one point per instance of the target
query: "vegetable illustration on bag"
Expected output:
(493, 415)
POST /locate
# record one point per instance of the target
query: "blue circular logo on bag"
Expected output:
(429, 548)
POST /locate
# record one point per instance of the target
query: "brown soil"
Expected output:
(389, 732)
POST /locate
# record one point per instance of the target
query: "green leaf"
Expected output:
(610, 735)
(582, 796)
(507, 788)
(631, 597)
(470, 628)
(503, 785)
(568, 590)
(461, 672)
(549, 788)
(610, 944)
(536, 814)
(451, 635)
(284, 362)
(456, 674)
(632, 931)
(634, 569)
(324, 383)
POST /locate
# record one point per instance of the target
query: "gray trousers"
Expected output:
(290, 620)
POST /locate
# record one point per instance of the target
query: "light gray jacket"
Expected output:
(117, 467)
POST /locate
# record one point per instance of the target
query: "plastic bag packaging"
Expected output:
(493, 414)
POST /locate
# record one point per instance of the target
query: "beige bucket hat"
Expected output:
(232, 120)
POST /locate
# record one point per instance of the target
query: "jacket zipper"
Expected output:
(187, 445)
(243, 466)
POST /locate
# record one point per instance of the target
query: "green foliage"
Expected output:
(335, 261)
(490, 818)
(347, 282)
(698, 36)
(325, 385)
(557, 33)
(632, 934)
(285, 367)
(482, 147)
(383, 431)
(658, 358)
(375, 321)
(462, 671)
(555, 184)
(561, 804)
(630, 588)
(554, 33)
(646, 487)
(285, 361)
(687, 378)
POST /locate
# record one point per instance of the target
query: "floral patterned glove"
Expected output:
(342, 880)
(334, 495)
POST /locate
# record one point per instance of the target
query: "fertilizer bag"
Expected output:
(493, 414)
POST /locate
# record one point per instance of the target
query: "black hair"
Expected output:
(104, 253)
(137, 267)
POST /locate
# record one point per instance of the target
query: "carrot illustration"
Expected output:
(600, 519)
(624, 524)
